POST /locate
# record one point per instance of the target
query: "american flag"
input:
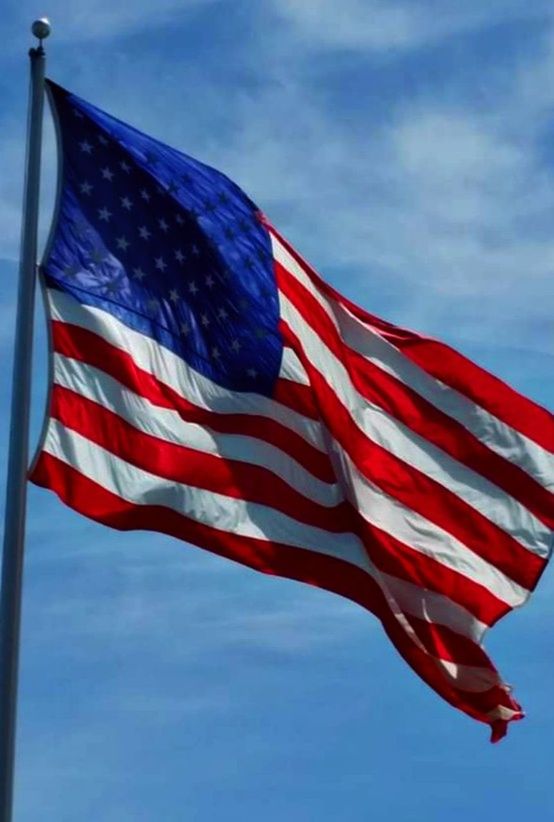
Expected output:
(206, 383)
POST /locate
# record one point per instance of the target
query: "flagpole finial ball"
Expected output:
(41, 28)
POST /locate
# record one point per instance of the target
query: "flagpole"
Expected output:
(16, 490)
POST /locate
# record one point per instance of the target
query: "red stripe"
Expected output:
(444, 643)
(391, 556)
(417, 413)
(296, 396)
(419, 492)
(85, 346)
(330, 573)
(445, 364)
(239, 480)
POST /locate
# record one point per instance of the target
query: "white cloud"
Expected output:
(84, 20)
(381, 25)
(273, 614)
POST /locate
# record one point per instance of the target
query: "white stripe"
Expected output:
(168, 425)
(420, 534)
(502, 712)
(416, 451)
(236, 516)
(173, 371)
(497, 435)
(285, 258)
(432, 607)
(292, 369)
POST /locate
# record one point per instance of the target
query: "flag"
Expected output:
(206, 383)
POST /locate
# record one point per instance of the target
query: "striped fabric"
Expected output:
(380, 465)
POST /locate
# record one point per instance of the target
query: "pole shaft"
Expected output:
(16, 491)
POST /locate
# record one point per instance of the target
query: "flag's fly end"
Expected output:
(499, 729)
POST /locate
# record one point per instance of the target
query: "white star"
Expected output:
(153, 304)
(144, 233)
(205, 320)
(195, 250)
(252, 373)
(107, 174)
(122, 243)
(163, 225)
(236, 346)
(102, 140)
(160, 264)
(193, 288)
(174, 295)
(210, 281)
(139, 274)
(185, 329)
(126, 168)
(179, 256)
(222, 314)
(179, 219)
(86, 188)
(85, 146)
(215, 353)
(104, 214)
(145, 195)
(126, 203)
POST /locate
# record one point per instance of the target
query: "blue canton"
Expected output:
(168, 245)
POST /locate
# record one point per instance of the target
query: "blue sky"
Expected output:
(406, 149)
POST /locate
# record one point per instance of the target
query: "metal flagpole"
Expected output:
(16, 491)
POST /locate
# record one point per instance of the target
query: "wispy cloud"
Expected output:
(381, 25)
(97, 610)
(88, 20)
